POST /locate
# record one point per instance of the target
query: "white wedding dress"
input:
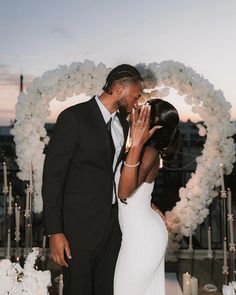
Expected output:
(141, 260)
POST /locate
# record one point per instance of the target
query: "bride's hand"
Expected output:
(140, 132)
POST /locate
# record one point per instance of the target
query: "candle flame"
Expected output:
(161, 163)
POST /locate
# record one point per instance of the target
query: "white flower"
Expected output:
(228, 290)
(5, 264)
(16, 280)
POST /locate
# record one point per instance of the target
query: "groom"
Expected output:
(79, 195)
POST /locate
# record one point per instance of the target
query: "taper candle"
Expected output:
(4, 174)
(190, 238)
(209, 238)
(222, 177)
(27, 199)
(17, 221)
(10, 199)
(230, 217)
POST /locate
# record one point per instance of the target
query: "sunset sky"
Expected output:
(36, 36)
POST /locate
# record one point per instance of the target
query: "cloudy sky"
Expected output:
(36, 36)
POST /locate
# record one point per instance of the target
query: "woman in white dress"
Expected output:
(140, 264)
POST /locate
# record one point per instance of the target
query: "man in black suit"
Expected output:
(79, 195)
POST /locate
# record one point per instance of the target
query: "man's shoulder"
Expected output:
(79, 107)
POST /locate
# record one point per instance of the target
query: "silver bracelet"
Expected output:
(131, 166)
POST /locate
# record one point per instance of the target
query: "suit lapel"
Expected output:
(101, 127)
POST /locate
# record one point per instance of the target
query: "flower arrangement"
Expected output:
(15, 280)
(86, 77)
(229, 289)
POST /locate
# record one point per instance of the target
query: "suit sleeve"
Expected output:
(57, 160)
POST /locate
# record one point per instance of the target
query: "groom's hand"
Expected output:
(58, 246)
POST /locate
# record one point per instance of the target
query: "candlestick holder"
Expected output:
(28, 221)
(8, 244)
(210, 287)
(17, 246)
(8, 250)
(5, 190)
(209, 254)
(17, 231)
(59, 281)
(232, 252)
(43, 258)
(232, 247)
(223, 194)
(225, 272)
(191, 254)
(10, 211)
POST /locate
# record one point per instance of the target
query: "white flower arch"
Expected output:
(32, 110)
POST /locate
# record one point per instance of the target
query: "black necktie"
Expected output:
(113, 149)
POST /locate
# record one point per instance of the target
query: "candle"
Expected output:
(190, 239)
(4, 175)
(194, 286)
(225, 252)
(60, 284)
(186, 284)
(17, 221)
(230, 217)
(10, 199)
(222, 177)
(30, 176)
(27, 199)
(44, 241)
(209, 239)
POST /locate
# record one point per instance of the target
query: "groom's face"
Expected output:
(130, 96)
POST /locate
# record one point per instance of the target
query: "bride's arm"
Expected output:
(134, 173)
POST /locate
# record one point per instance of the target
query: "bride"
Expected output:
(140, 264)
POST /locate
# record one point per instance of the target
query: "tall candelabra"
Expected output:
(225, 268)
(17, 231)
(228, 236)
(230, 219)
(5, 221)
(210, 287)
(9, 213)
(28, 214)
(9, 222)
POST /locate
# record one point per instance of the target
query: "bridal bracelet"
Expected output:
(131, 166)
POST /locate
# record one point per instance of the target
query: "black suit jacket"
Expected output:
(78, 176)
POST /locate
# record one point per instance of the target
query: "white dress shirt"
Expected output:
(117, 134)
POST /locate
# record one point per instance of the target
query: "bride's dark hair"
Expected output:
(166, 139)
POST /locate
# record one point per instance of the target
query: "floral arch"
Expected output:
(32, 109)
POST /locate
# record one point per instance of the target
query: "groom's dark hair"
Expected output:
(122, 72)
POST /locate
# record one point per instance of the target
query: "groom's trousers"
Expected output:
(92, 272)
